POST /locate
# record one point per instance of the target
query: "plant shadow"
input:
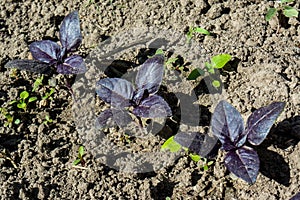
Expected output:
(162, 190)
(283, 135)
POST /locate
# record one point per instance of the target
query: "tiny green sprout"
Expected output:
(80, 157)
(194, 30)
(195, 157)
(38, 82)
(48, 94)
(286, 10)
(168, 198)
(216, 62)
(206, 164)
(17, 121)
(159, 51)
(7, 116)
(47, 120)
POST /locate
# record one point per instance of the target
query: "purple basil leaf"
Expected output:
(149, 76)
(30, 65)
(193, 141)
(228, 125)
(244, 163)
(121, 117)
(105, 119)
(70, 36)
(45, 51)
(153, 107)
(112, 117)
(296, 197)
(72, 65)
(115, 91)
(260, 122)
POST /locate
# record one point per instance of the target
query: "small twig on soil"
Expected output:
(79, 167)
(11, 161)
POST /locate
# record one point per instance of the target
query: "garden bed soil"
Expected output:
(36, 158)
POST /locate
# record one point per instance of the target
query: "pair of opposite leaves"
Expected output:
(48, 53)
(228, 126)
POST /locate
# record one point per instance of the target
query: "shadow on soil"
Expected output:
(282, 136)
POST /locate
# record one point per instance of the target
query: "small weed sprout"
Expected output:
(216, 62)
(286, 10)
(22, 103)
(47, 120)
(80, 157)
(9, 118)
(194, 30)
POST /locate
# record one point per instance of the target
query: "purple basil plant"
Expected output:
(140, 98)
(48, 54)
(228, 126)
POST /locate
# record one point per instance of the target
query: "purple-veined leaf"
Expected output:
(45, 51)
(193, 141)
(72, 65)
(228, 125)
(244, 163)
(261, 120)
(112, 117)
(116, 91)
(153, 107)
(30, 65)
(149, 76)
(69, 33)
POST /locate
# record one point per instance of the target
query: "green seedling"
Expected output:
(216, 62)
(80, 157)
(9, 118)
(17, 121)
(37, 83)
(194, 30)
(48, 94)
(206, 164)
(286, 10)
(47, 120)
(22, 103)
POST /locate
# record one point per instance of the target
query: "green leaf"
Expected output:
(80, 151)
(24, 95)
(171, 145)
(216, 83)
(189, 34)
(289, 11)
(286, 1)
(159, 51)
(195, 157)
(271, 13)
(12, 102)
(195, 74)
(31, 99)
(37, 83)
(76, 162)
(17, 121)
(21, 105)
(210, 163)
(219, 61)
(205, 167)
(201, 30)
(171, 60)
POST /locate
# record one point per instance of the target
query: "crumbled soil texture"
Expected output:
(36, 157)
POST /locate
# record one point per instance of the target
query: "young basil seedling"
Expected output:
(48, 53)
(227, 124)
(141, 97)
